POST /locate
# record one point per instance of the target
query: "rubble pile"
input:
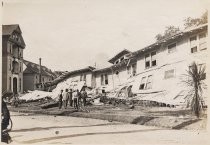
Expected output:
(35, 95)
(127, 93)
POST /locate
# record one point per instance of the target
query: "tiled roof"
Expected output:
(34, 68)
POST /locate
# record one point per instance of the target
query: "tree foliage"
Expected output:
(189, 22)
(170, 30)
(194, 80)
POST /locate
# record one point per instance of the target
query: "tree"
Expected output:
(189, 22)
(194, 79)
(170, 31)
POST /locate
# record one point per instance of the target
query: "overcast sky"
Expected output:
(71, 34)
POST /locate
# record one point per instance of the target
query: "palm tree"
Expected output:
(195, 76)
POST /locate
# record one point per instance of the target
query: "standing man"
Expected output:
(76, 99)
(84, 96)
(65, 98)
(70, 98)
(60, 99)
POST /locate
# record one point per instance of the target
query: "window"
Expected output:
(147, 61)
(80, 78)
(169, 74)
(10, 83)
(43, 79)
(20, 85)
(194, 49)
(150, 60)
(84, 77)
(172, 48)
(116, 62)
(10, 47)
(106, 79)
(153, 58)
(193, 44)
(102, 80)
(20, 67)
(202, 41)
(149, 82)
(143, 81)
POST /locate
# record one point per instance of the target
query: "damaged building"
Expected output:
(154, 73)
(151, 74)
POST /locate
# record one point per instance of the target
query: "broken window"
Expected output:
(172, 48)
(147, 61)
(202, 41)
(169, 74)
(116, 62)
(149, 82)
(143, 81)
(153, 58)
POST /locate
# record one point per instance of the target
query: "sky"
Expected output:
(72, 34)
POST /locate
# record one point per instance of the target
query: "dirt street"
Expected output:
(42, 129)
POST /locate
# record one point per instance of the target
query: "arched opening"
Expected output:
(15, 85)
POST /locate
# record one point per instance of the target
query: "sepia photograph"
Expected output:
(104, 72)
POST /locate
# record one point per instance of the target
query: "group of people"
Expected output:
(74, 98)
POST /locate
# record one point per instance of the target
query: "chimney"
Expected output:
(40, 73)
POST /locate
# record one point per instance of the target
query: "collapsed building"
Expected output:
(150, 74)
